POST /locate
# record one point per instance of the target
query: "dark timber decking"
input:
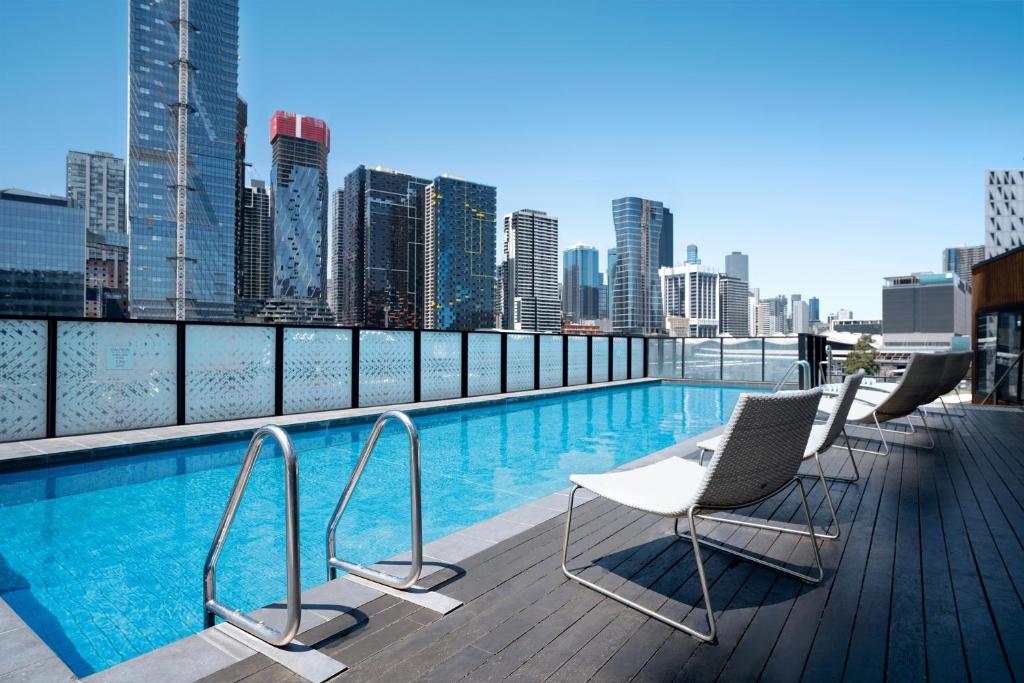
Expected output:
(926, 582)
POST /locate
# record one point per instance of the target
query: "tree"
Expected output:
(863, 356)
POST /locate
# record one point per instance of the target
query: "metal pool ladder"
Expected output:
(399, 586)
(212, 608)
(805, 368)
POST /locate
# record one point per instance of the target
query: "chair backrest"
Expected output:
(840, 409)
(957, 365)
(761, 449)
(916, 388)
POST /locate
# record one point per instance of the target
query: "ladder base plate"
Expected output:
(423, 597)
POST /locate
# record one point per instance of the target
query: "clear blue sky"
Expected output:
(835, 143)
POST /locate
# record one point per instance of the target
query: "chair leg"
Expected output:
(927, 431)
(812, 536)
(706, 637)
(701, 456)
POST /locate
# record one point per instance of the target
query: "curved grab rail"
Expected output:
(211, 607)
(804, 366)
(416, 564)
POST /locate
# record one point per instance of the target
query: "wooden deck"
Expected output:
(926, 582)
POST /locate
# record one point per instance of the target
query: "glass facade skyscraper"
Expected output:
(581, 283)
(530, 273)
(459, 257)
(253, 261)
(636, 290)
(737, 265)
(42, 255)
(95, 183)
(158, 65)
(298, 177)
(378, 267)
(667, 256)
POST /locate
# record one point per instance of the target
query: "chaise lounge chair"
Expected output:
(957, 364)
(759, 455)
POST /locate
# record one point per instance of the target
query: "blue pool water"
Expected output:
(104, 559)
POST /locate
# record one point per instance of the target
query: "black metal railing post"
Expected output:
(417, 364)
(464, 371)
(763, 375)
(355, 368)
(565, 360)
(180, 380)
(278, 369)
(504, 363)
(536, 361)
(590, 359)
(721, 359)
(646, 342)
(51, 378)
(629, 357)
(611, 358)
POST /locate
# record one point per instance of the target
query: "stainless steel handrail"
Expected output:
(416, 563)
(804, 366)
(992, 394)
(212, 608)
(826, 366)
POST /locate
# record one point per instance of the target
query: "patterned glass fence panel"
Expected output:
(550, 361)
(599, 359)
(664, 358)
(440, 365)
(637, 361)
(484, 364)
(385, 367)
(741, 360)
(317, 370)
(22, 379)
(519, 375)
(113, 376)
(779, 354)
(701, 359)
(229, 372)
(620, 357)
(577, 360)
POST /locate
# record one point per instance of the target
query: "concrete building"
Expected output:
(182, 158)
(767, 322)
(253, 256)
(530, 278)
(960, 259)
(42, 255)
(753, 301)
(924, 311)
(737, 265)
(1004, 211)
(800, 316)
(733, 306)
(692, 291)
(460, 246)
(95, 183)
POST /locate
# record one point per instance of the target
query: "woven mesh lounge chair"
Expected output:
(823, 437)
(759, 455)
(918, 387)
(957, 364)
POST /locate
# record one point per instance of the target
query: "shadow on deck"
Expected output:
(925, 582)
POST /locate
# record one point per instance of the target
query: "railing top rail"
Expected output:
(211, 607)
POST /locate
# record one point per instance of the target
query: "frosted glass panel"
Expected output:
(113, 376)
(317, 370)
(385, 367)
(599, 359)
(701, 359)
(577, 360)
(779, 354)
(484, 363)
(229, 372)
(550, 361)
(637, 361)
(741, 360)
(665, 358)
(440, 365)
(620, 355)
(520, 362)
(22, 379)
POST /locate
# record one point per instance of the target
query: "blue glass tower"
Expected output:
(636, 289)
(581, 280)
(459, 254)
(206, 61)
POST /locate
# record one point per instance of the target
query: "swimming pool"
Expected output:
(104, 559)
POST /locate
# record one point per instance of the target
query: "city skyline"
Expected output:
(848, 158)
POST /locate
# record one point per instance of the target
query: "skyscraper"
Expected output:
(609, 282)
(582, 283)
(42, 254)
(960, 259)
(459, 255)
(379, 270)
(667, 258)
(1004, 211)
(691, 255)
(241, 123)
(801, 316)
(733, 306)
(737, 266)
(298, 200)
(182, 155)
(636, 299)
(254, 257)
(95, 183)
(692, 291)
(814, 309)
(530, 284)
